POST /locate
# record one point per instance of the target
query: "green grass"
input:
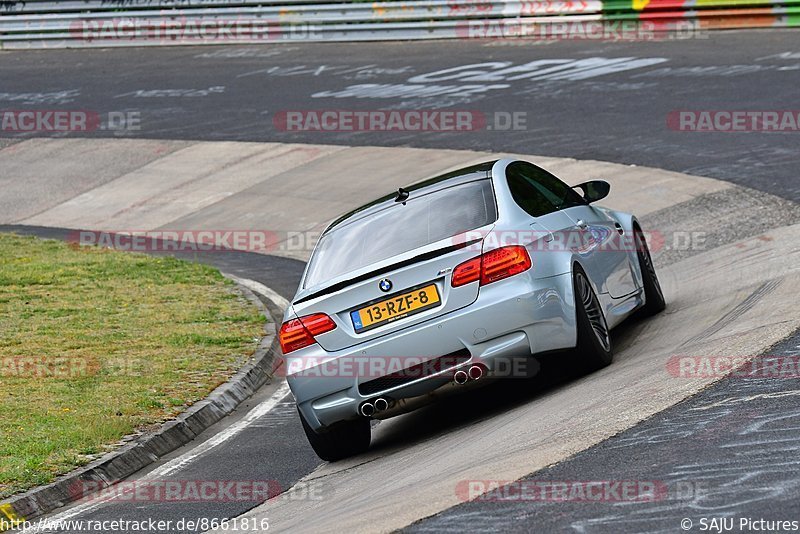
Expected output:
(97, 344)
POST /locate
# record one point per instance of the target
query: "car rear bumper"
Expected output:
(509, 321)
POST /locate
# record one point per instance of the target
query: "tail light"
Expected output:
(466, 272)
(492, 266)
(504, 262)
(298, 333)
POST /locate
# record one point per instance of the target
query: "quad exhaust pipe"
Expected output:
(370, 408)
(475, 372)
(460, 377)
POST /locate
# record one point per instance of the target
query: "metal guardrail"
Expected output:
(106, 23)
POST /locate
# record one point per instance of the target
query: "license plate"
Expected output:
(394, 308)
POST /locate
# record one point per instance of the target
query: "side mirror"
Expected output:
(594, 190)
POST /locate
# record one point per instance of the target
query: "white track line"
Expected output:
(258, 287)
(256, 413)
(185, 459)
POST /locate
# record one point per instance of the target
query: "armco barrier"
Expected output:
(104, 23)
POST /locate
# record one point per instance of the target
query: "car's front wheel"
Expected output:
(339, 441)
(594, 339)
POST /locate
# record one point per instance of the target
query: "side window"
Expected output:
(537, 191)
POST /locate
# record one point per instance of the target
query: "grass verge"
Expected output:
(97, 344)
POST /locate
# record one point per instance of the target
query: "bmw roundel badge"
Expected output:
(385, 285)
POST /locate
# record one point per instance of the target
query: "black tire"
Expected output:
(339, 441)
(594, 350)
(654, 302)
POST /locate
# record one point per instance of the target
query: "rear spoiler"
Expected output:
(338, 286)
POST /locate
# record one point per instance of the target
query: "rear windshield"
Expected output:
(399, 228)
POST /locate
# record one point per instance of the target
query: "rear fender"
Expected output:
(628, 223)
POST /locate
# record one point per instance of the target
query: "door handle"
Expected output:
(582, 224)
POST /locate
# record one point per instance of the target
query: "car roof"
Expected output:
(463, 175)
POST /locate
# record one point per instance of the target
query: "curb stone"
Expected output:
(149, 447)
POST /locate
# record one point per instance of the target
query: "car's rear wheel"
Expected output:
(339, 441)
(654, 301)
(594, 349)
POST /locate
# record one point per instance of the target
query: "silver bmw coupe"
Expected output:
(460, 278)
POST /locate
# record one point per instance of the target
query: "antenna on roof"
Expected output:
(402, 195)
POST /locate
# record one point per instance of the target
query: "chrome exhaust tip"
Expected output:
(460, 377)
(367, 409)
(475, 372)
(380, 404)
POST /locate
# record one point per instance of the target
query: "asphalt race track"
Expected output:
(722, 449)
(235, 93)
(707, 449)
